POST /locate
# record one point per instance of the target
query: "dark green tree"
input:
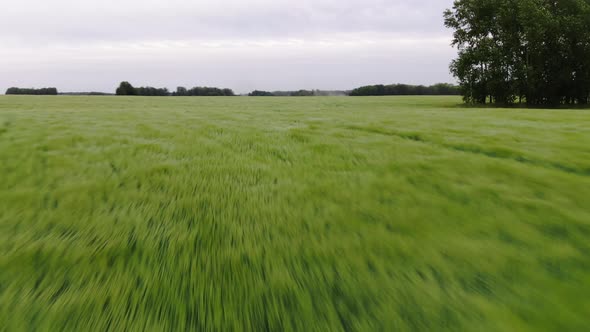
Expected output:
(181, 91)
(31, 91)
(522, 50)
(258, 93)
(126, 89)
(406, 90)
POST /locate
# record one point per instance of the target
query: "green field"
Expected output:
(280, 214)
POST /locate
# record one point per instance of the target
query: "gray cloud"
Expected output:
(339, 44)
(66, 20)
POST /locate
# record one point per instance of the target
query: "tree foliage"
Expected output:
(203, 91)
(126, 89)
(151, 91)
(407, 90)
(303, 93)
(31, 91)
(537, 51)
(299, 93)
(258, 93)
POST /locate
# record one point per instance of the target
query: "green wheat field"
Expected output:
(292, 214)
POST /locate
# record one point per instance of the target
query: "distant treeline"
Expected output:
(258, 93)
(202, 91)
(38, 92)
(441, 89)
(299, 93)
(91, 93)
(126, 89)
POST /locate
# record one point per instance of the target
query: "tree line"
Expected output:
(298, 93)
(126, 89)
(440, 89)
(91, 93)
(203, 91)
(406, 90)
(528, 51)
(31, 91)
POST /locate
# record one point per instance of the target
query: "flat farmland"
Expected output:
(292, 214)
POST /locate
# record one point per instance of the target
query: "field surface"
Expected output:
(292, 214)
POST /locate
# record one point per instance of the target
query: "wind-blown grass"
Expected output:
(279, 214)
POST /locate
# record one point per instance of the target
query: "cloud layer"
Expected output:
(278, 44)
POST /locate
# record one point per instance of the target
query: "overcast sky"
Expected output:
(92, 45)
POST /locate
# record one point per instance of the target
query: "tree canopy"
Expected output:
(203, 91)
(126, 89)
(405, 89)
(533, 51)
(31, 91)
(310, 93)
(258, 93)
